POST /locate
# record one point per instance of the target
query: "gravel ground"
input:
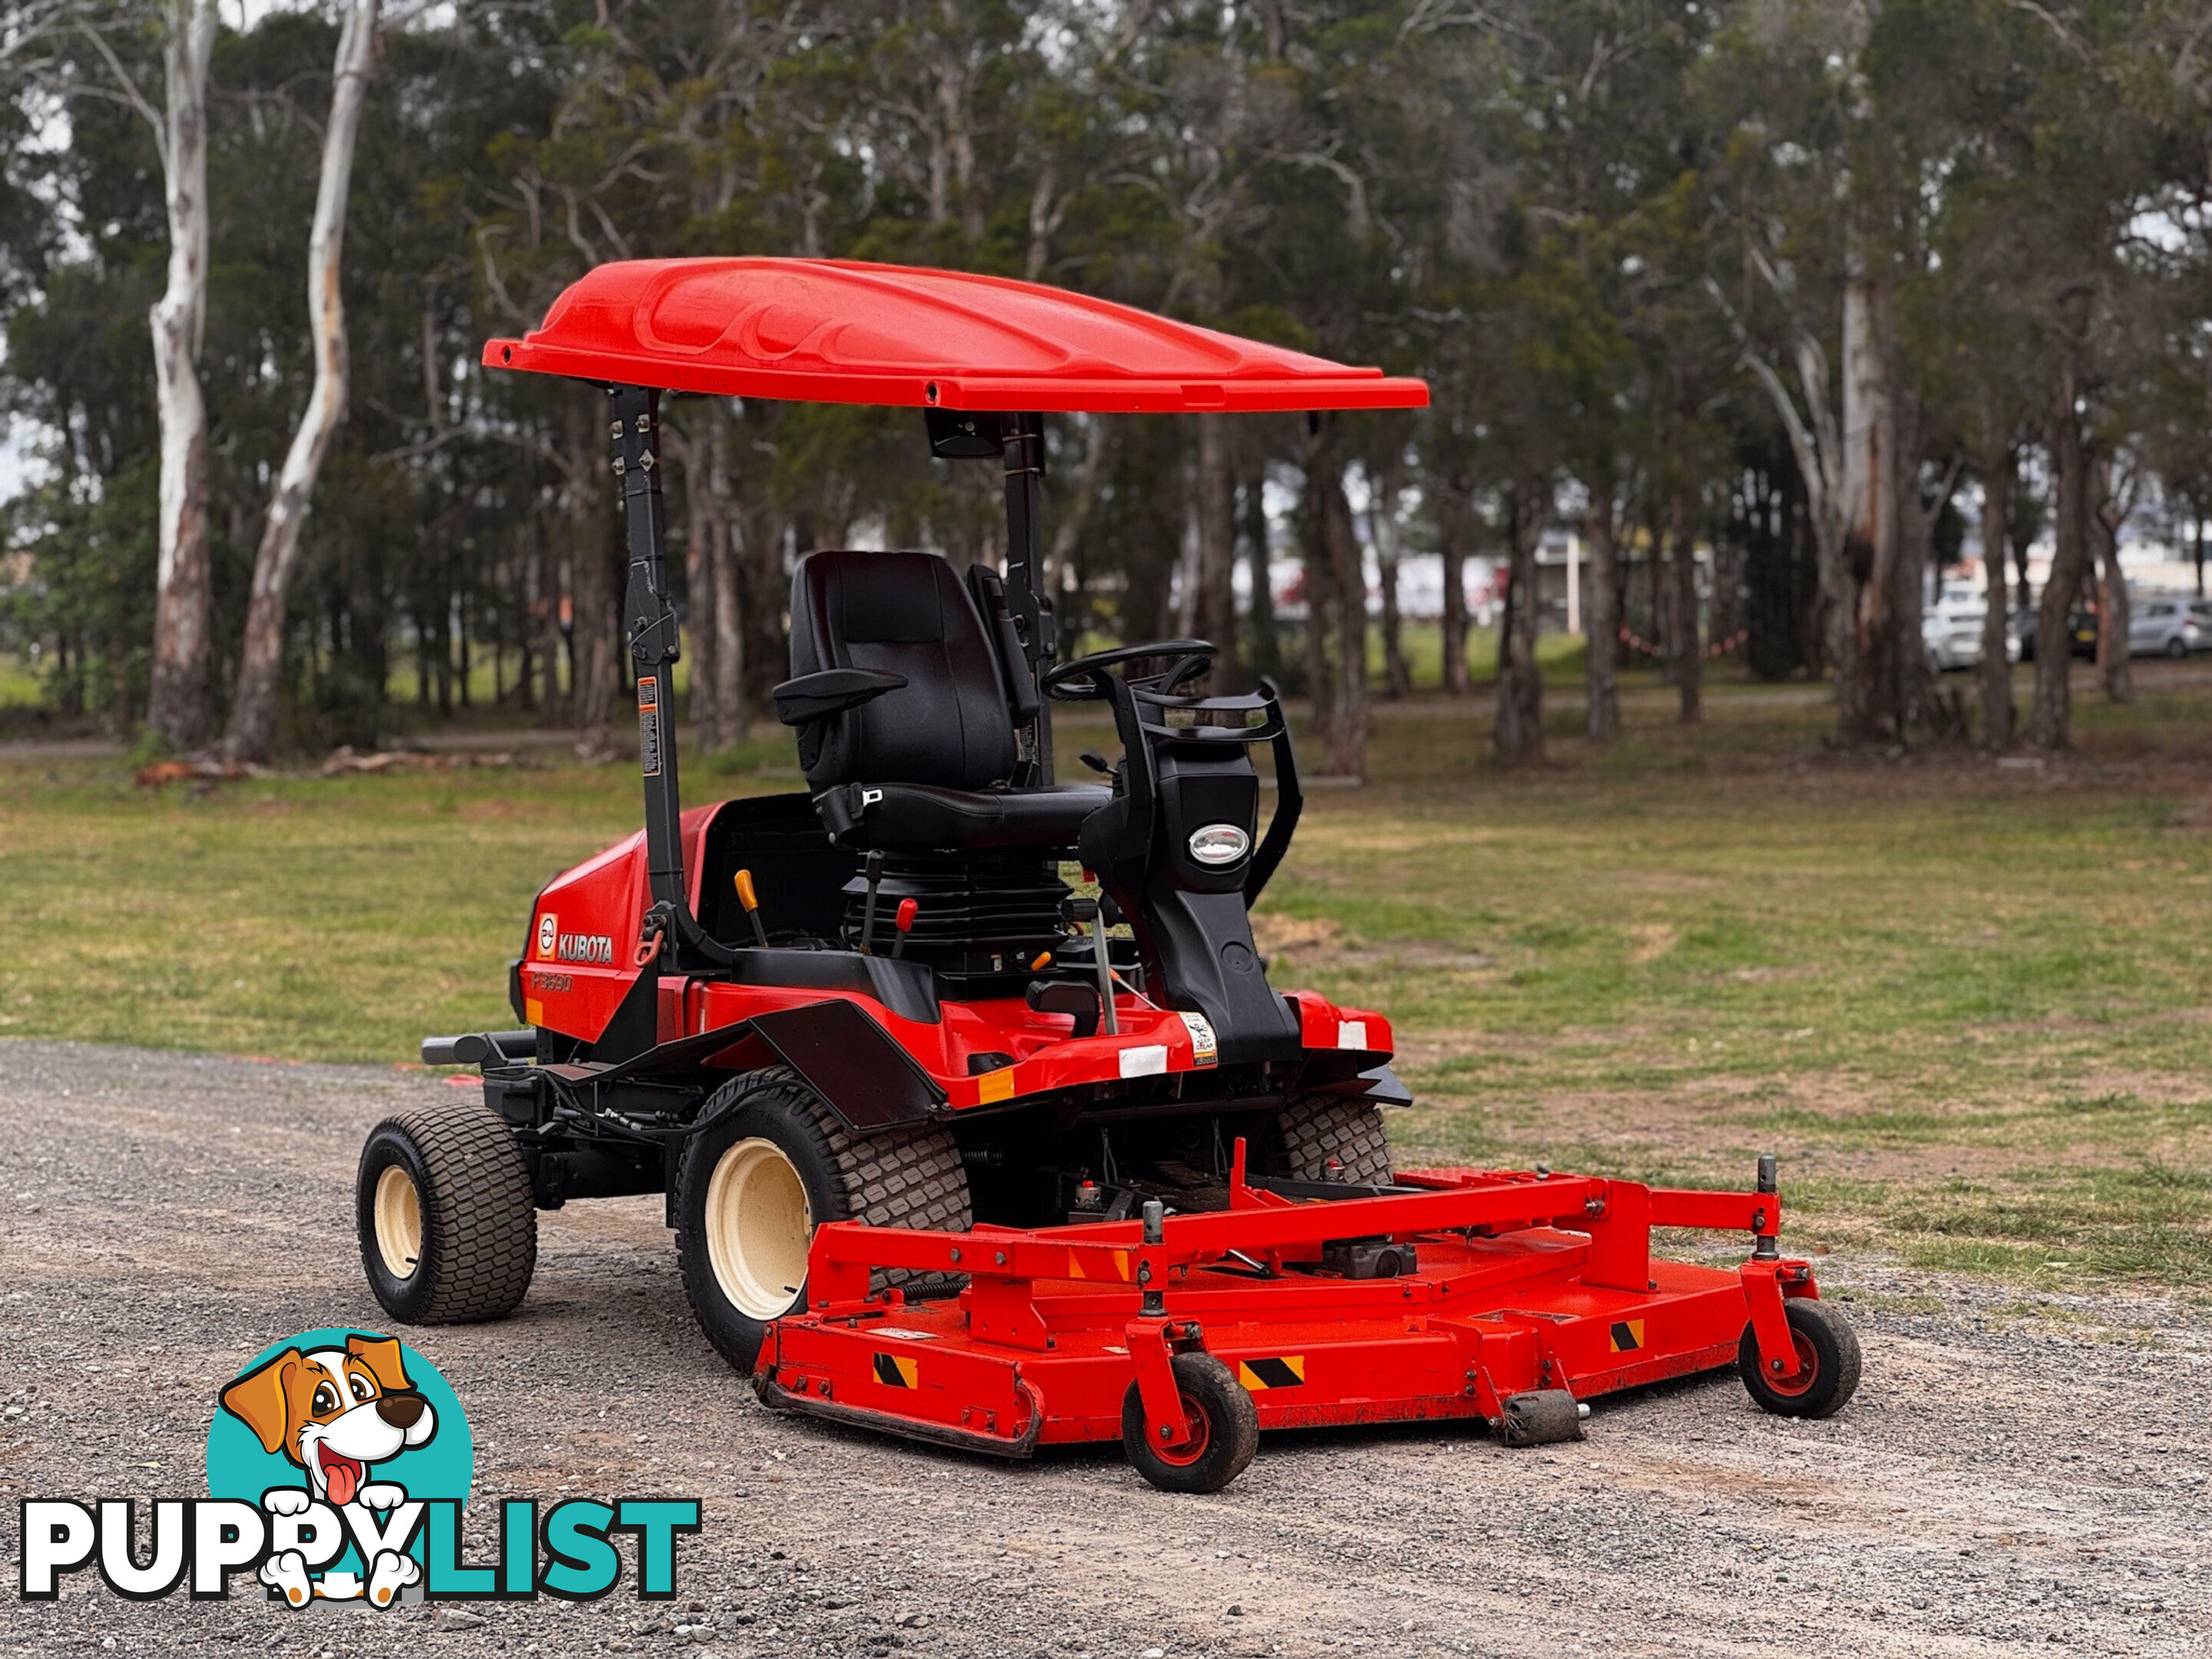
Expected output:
(2014, 1477)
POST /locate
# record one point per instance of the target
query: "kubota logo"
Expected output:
(587, 947)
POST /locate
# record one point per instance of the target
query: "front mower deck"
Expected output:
(1500, 1295)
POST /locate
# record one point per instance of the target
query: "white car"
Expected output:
(1951, 631)
(2170, 628)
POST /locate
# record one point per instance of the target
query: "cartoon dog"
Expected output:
(335, 1412)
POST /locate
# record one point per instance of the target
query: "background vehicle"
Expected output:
(1951, 631)
(2081, 632)
(2170, 628)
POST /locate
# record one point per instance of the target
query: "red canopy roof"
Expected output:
(834, 330)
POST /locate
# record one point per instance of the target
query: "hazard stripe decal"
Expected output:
(895, 1371)
(1627, 1336)
(1283, 1371)
(1121, 1265)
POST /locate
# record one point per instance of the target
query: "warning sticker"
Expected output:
(1627, 1336)
(648, 723)
(900, 1334)
(895, 1371)
(1281, 1371)
(1203, 1047)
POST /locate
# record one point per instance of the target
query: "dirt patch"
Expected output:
(1315, 942)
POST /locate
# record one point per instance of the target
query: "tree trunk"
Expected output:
(1913, 699)
(595, 626)
(727, 623)
(1336, 608)
(1320, 576)
(253, 728)
(1860, 626)
(1684, 652)
(1347, 726)
(701, 513)
(2049, 719)
(1455, 519)
(1518, 733)
(1996, 468)
(2113, 619)
(179, 706)
(1386, 485)
(1215, 617)
(1259, 560)
(1600, 623)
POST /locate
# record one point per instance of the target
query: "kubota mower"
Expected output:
(952, 1143)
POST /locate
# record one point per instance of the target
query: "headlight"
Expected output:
(1218, 844)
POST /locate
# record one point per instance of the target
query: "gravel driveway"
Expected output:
(2014, 1477)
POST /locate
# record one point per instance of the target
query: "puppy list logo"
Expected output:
(338, 1463)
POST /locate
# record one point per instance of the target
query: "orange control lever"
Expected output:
(750, 900)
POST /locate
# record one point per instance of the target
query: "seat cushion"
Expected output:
(900, 613)
(914, 817)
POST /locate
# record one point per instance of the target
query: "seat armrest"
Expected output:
(831, 691)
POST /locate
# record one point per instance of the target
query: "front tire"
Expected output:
(1222, 1423)
(447, 1223)
(1328, 1137)
(774, 1164)
(2178, 648)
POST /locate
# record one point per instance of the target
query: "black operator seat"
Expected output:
(905, 711)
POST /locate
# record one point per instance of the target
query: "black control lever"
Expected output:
(1065, 996)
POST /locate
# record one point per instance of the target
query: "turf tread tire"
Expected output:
(1308, 1133)
(479, 1215)
(910, 1178)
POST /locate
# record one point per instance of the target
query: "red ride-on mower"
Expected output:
(946, 1151)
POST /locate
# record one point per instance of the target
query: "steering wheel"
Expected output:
(1083, 680)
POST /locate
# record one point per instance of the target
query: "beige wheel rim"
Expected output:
(398, 1222)
(757, 1223)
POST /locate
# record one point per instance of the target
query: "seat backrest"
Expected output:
(900, 613)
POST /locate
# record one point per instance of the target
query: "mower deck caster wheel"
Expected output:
(1828, 1372)
(1223, 1423)
(447, 1221)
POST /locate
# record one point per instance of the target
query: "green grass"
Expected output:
(20, 688)
(1966, 1005)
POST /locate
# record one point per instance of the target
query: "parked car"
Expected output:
(2080, 631)
(2170, 628)
(1950, 633)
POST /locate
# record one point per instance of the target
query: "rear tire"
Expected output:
(447, 1223)
(2178, 648)
(774, 1164)
(1309, 1134)
(1827, 1363)
(1224, 1428)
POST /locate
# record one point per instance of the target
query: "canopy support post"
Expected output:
(1021, 442)
(649, 622)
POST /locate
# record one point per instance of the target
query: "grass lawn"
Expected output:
(1966, 1003)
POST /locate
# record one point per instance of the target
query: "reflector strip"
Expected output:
(895, 1371)
(1120, 1266)
(1627, 1336)
(1145, 1059)
(1283, 1371)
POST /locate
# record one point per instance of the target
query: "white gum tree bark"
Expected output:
(252, 727)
